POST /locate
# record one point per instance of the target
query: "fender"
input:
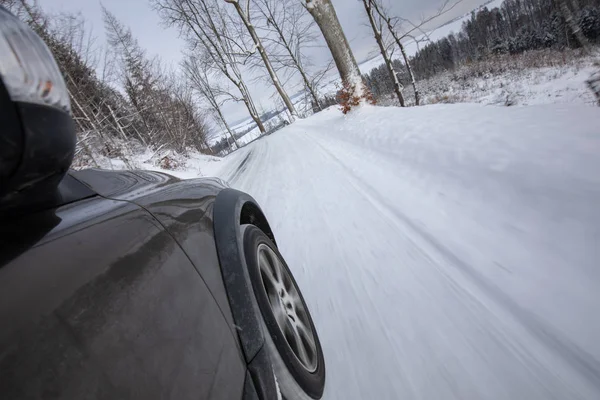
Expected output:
(232, 209)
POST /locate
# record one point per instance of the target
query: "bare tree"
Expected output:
(394, 26)
(246, 19)
(203, 24)
(376, 22)
(200, 82)
(326, 18)
(290, 31)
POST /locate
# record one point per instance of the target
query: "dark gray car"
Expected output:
(132, 284)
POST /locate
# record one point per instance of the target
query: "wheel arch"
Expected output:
(252, 214)
(232, 209)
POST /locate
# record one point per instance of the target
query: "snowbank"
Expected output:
(185, 166)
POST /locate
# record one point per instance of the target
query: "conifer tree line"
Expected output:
(517, 26)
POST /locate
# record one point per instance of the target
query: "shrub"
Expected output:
(347, 98)
(168, 163)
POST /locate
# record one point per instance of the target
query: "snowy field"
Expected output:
(518, 87)
(537, 77)
(446, 251)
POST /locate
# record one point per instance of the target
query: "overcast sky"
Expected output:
(146, 26)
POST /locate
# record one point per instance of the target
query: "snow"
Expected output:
(517, 86)
(310, 4)
(191, 165)
(250, 136)
(445, 251)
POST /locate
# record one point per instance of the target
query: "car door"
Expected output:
(98, 301)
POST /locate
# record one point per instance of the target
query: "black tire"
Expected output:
(295, 381)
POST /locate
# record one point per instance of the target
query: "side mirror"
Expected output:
(37, 134)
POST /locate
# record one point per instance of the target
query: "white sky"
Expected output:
(164, 42)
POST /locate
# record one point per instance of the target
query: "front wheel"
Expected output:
(290, 335)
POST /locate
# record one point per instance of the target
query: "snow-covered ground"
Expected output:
(191, 165)
(509, 82)
(448, 251)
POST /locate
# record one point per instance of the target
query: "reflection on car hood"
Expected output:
(130, 185)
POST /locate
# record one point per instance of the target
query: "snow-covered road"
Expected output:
(446, 252)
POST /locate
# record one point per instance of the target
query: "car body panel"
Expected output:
(124, 185)
(104, 303)
(183, 207)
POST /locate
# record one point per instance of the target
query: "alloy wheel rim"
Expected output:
(287, 307)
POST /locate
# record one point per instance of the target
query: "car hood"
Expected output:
(130, 185)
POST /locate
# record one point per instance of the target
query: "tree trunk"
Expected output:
(384, 53)
(394, 34)
(263, 54)
(296, 61)
(313, 94)
(189, 14)
(254, 114)
(300, 69)
(410, 71)
(594, 83)
(250, 106)
(326, 17)
(574, 27)
(222, 118)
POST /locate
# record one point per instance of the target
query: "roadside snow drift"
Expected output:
(446, 252)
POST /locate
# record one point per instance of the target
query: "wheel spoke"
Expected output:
(295, 298)
(301, 349)
(277, 269)
(287, 307)
(267, 268)
(281, 318)
(286, 280)
(268, 276)
(306, 333)
(303, 317)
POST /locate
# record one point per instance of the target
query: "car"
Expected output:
(132, 284)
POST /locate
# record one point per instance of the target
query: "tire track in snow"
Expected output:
(435, 329)
(582, 362)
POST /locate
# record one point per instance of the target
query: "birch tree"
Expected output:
(245, 16)
(199, 79)
(203, 23)
(376, 22)
(326, 18)
(290, 31)
(394, 26)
